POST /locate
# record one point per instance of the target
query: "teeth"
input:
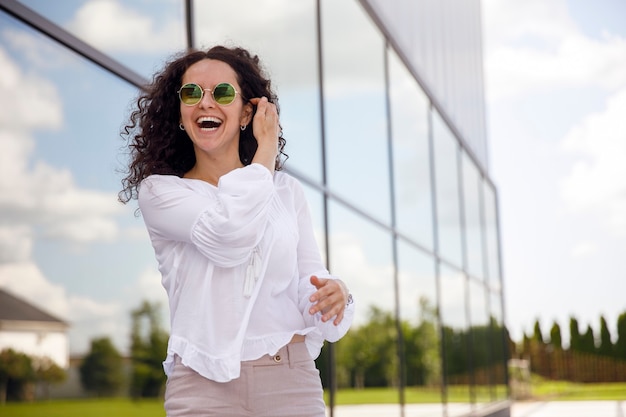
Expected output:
(208, 119)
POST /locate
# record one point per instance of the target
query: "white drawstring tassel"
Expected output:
(252, 273)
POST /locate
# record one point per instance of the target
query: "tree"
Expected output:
(620, 344)
(148, 348)
(369, 352)
(421, 347)
(537, 334)
(574, 332)
(48, 372)
(16, 372)
(606, 344)
(101, 370)
(526, 345)
(555, 336)
(588, 341)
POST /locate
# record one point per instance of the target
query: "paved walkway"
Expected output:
(570, 409)
(519, 409)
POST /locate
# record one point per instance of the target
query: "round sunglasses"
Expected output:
(191, 94)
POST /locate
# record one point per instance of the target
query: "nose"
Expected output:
(207, 99)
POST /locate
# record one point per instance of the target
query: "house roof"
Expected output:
(13, 308)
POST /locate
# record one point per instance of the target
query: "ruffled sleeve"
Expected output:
(224, 223)
(310, 263)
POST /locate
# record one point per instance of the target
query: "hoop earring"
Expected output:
(181, 127)
(243, 127)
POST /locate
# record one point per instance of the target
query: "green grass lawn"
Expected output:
(108, 407)
(124, 407)
(570, 391)
(541, 390)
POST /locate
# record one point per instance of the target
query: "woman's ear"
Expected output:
(246, 114)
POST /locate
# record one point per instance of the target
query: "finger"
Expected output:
(339, 318)
(257, 100)
(318, 282)
(319, 303)
(335, 311)
(329, 306)
(261, 108)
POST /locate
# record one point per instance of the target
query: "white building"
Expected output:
(27, 329)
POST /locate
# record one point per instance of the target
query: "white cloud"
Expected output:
(16, 242)
(149, 288)
(91, 319)
(370, 284)
(534, 46)
(32, 192)
(26, 280)
(47, 196)
(508, 21)
(139, 233)
(41, 55)
(26, 99)
(584, 249)
(112, 26)
(597, 181)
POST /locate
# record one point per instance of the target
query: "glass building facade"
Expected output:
(382, 107)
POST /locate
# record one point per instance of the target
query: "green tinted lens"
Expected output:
(224, 94)
(190, 94)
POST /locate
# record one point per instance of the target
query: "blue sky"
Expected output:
(555, 75)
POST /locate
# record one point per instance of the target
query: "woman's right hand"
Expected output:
(266, 130)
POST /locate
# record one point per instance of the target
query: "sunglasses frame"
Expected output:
(211, 90)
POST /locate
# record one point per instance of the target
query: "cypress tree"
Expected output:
(526, 345)
(620, 345)
(588, 341)
(537, 335)
(574, 332)
(555, 336)
(606, 344)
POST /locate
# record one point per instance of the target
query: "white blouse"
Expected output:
(235, 261)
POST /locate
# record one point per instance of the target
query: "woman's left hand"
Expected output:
(266, 132)
(330, 298)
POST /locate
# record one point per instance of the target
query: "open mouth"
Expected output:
(209, 123)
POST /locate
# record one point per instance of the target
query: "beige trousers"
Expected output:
(284, 385)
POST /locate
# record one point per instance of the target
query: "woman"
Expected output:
(251, 302)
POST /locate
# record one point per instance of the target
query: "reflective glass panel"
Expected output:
(283, 34)
(409, 127)
(473, 225)
(491, 235)
(456, 341)
(138, 33)
(499, 340)
(360, 254)
(354, 107)
(68, 246)
(420, 327)
(481, 353)
(447, 192)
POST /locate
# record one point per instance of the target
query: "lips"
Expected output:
(208, 123)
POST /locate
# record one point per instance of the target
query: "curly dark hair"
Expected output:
(155, 143)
